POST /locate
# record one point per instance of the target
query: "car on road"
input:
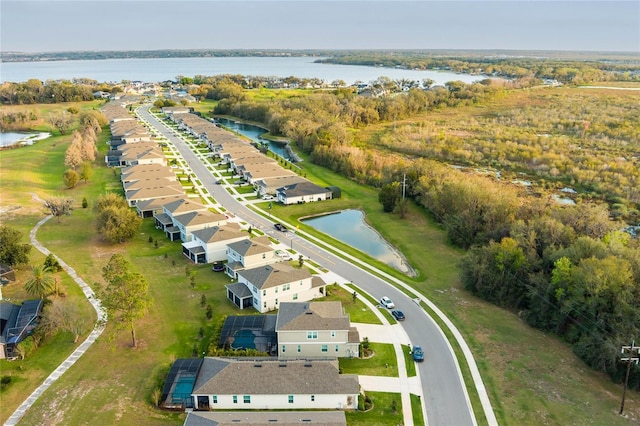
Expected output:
(280, 227)
(217, 267)
(418, 354)
(267, 197)
(398, 314)
(219, 182)
(387, 303)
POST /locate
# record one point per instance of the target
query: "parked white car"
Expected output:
(267, 197)
(283, 254)
(387, 303)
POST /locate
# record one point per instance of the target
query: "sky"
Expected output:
(574, 25)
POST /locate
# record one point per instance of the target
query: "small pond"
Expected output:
(253, 133)
(349, 227)
(11, 138)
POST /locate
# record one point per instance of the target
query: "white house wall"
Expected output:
(280, 402)
(297, 345)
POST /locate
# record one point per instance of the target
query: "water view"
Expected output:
(253, 133)
(162, 69)
(12, 138)
(349, 227)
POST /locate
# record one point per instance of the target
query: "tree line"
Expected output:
(564, 269)
(564, 70)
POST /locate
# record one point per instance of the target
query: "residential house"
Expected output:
(16, 322)
(165, 219)
(210, 244)
(151, 207)
(271, 285)
(270, 384)
(270, 185)
(302, 192)
(254, 172)
(187, 223)
(146, 171)
(136, 195)
(315, 329)
(250, 253)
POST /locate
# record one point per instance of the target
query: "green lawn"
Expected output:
(532, 378)
(382, 363)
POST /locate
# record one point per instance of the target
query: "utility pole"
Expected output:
(632, 356)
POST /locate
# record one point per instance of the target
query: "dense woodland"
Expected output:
(465, 150)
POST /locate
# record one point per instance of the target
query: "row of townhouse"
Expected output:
(206, 236)
(147, 180)
(265, 174)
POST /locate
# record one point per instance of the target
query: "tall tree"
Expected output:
(70, 178)
(126, 297)
(12, 251)
(42, 283)
(118, 224)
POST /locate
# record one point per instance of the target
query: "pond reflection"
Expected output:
(349, 227)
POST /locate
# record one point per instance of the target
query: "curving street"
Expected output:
(445, 397)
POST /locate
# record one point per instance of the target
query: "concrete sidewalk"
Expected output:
(80, 350)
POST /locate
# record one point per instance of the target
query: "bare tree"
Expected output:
(59, 206)
(61, 121)
(64, 316)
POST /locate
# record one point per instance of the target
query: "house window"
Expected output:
(264, 304)
(324, 348)
(284, 348)
(264, 255)
(333, 333)
(312, 335)
(286, 287)
(235, 399)
(276, 289)
(264, 292)
(215, 399)
(295, 296)
(299, 348)
(337, 348)
(276, 301)
(247, 399)
(313, 398)
(290, 399)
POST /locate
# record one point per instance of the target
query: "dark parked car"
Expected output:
(280, 227)
(418, 354)
(398, 315)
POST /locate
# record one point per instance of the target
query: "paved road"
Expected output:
(447, 401)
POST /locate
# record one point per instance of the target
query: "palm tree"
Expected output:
(42, 283)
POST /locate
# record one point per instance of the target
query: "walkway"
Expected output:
(80, 350)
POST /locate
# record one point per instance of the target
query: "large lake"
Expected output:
(161, 69)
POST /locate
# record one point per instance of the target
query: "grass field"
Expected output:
(532, 378)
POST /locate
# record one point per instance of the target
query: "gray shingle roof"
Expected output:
(226, 232)
(265, 418)
(251, 247)
(312, 316)
(273, 275)
(234, 376)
